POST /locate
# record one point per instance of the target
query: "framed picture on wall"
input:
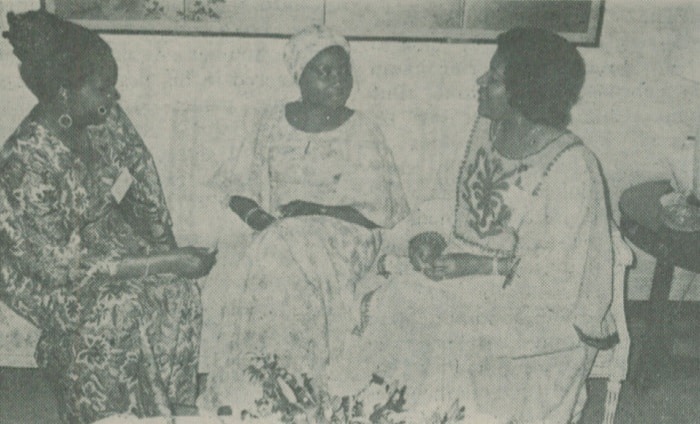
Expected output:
(220, 17)
(464, 20)
(430, 20)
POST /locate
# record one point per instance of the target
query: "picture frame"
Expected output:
(478, 21)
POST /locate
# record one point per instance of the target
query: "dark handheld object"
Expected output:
(693, 201)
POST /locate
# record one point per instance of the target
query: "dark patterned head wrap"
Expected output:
(54, 53)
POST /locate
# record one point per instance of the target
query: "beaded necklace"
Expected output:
(470, 140)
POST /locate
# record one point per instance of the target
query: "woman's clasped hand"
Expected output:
(426, 254)
(424, 249)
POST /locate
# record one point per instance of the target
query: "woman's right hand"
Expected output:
(187, 262)
(424, 248)
(250, 212)
(195, 262)
(242, 205)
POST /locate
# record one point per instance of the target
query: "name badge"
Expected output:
(122, 185)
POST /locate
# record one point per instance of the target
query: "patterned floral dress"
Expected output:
(108, 345)
(292, 293)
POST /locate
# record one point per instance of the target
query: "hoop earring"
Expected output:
(65, 121)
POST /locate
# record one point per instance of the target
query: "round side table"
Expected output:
(640, 222)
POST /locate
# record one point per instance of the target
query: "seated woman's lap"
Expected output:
(128, 328)
(463, 339)
(292, 295)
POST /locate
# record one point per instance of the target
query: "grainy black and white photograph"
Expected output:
(349, 212)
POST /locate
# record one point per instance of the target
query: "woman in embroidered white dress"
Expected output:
(505, 314)
(317, 183)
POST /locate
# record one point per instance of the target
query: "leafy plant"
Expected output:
(298, 400)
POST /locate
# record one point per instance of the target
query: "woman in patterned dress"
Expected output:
(317, 183)
(88, 255)
(504, 315)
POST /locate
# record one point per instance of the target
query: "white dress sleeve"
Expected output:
(246, 171)
(372, 184)
(565, 247)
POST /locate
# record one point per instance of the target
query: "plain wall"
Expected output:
(194, 98)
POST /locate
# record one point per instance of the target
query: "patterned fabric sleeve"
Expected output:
(565, 249)
(372, 184)
(144, 204)
(39, 265)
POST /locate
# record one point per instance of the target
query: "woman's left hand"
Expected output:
(448, 266)
(300, 208)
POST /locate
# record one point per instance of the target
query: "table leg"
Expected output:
(655, 352)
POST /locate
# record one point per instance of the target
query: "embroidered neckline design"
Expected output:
(483, 188)
(482, 183)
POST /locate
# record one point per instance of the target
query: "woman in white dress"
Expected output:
(505, 314)
(317, 184)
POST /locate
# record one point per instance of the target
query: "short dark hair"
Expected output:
(53, 52)
(544, 74)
